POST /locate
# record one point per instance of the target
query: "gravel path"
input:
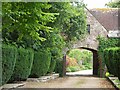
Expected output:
(82, 72)
(73, 82)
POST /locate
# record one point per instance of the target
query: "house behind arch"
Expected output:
(99, 21)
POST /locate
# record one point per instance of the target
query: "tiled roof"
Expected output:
(108, 17)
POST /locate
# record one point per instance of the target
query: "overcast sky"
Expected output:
(96, 3)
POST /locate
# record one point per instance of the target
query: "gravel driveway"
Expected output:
(73, 82)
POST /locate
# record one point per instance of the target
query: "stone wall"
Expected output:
(96, 29)
(91, 42)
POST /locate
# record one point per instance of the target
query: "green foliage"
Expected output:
(39, 25)
(9, 55)
(68, 69)
(112, 60)
(71, 20)
(103, 44)
(83, 58)
(25, 23)
(107, 43)
(107, 74)
(113, 4)
(41, 63)
(28, 24)
(73, 68)
(55, 43)
(0, 64)
(52, 66)
(87, 66)
(71, 64)
(59, 67)
(23, 64)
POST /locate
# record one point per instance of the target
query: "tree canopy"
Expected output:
(113, 4)
(39, 25)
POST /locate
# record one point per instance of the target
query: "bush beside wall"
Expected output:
(103, 44)
(9, 55)
(112, 60)
(23, 64)
(41, 63)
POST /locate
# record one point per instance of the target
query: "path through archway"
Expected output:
(95, 61)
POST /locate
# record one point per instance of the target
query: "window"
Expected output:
(88, 28)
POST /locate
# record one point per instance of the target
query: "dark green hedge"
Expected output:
(41, 63)
(59, 67)
(52, 66)
(103, 44)
(112, 60)
(9, 54)
(23, 64)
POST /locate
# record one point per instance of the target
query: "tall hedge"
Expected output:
(52, 65)
(9, 54)
(112, 60)
(103, 44)
(59, 67)
(106, 59)
(41, 63)
(23, 64)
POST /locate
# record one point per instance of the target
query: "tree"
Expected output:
(113, 4)
(26, 21)
(38, 24)
(71, 20)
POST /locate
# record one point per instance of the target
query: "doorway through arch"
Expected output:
(95, 61)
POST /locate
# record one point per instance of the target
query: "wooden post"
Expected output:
(64, 66)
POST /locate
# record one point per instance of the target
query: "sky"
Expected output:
(96, 3)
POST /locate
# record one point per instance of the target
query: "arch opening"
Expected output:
(94, 62)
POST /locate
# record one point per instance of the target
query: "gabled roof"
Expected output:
(108, 17)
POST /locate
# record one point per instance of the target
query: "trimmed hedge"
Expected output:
(59, 67)
(41, 63)
(23, 64)
(9, 55)
(52, 66)
(103, 44)
(112, 60)
(106, 58)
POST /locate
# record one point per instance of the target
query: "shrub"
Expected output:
(9, 54)
(41, 63)
(82, 58)
(23, 64)
(74, 68)
(103, 44)
(59, 67)
(112, 60)
(72, 64)
(68, 69)
(71, 61)
(52, 66)
(88, 66)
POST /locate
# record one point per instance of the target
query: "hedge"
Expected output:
(23, 64)
(9, 55)
(59, 67)
(103, 44)
(41, 63)
(106, 58)
(112, 60)
(52, 66)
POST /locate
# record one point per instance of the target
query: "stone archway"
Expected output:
(90, 42)
(95, 61)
